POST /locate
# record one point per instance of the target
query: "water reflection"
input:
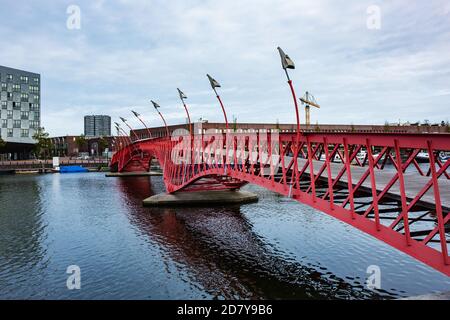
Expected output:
(220, 252)
(22, 233)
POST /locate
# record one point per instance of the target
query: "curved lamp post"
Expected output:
(182, 97)
(157, 106)
(287, 63)
(119, 138)
(137, 115)
(131, 129)
(120, 130)
(214, 85)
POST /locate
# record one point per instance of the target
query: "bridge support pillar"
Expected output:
(200, 198)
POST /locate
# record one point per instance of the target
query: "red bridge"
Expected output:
(372, 182)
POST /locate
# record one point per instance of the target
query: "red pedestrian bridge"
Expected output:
(395, 187)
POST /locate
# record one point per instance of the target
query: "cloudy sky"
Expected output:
(127, 52)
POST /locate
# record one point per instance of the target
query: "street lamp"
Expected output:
(182, 97)
(287, 63)
(131, 129)
(137, 115)
(214, 85)
(121, 142)
(157, 106)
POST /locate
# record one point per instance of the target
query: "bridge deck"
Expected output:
(413, 181)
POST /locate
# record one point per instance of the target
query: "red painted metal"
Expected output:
(223, 110)
(384, 193)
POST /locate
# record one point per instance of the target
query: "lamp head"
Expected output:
(286, 61)
(155, 105)
(213, 82)
(182, 95)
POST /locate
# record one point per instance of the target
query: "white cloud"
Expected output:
(130, 51)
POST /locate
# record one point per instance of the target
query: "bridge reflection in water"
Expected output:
(222, 253)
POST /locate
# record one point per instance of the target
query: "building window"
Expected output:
(9, 133)
(36, 80)
(36, 98)
(24, 115)
(34, 124)
(16, 87)
(9, 114)
(24, 79)
(24, 97)
(4, 86)
(24, 133)
(9, 96)
(34, 106)
(16, 124)
(34, 89)
(4, 104)
(4, 123)
(9, 77)
(16, 105)
(36, 116)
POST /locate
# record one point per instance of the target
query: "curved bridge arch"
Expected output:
(373, 182)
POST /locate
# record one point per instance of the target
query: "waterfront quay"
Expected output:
(47, 165)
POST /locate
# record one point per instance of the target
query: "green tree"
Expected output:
(2, 143)
(81, 142)
(43, 145)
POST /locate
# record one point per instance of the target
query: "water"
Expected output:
(276, 248)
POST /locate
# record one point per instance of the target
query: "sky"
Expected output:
(366, 62)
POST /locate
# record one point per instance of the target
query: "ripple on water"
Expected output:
(276, 248)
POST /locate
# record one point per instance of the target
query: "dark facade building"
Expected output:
(20, 111)
(97, 126)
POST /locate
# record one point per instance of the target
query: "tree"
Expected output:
(81, 142)
(2, 143)
(43, 144)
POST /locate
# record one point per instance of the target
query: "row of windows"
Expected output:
(33, 124)
(21, 78)
(24, 97)
(24, 115)
(24, 133)
(17, 88)
(18, 105)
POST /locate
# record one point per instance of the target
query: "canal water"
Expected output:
(276, 248)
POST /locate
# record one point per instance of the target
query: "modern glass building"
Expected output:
(97, 126)
(20, 109)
